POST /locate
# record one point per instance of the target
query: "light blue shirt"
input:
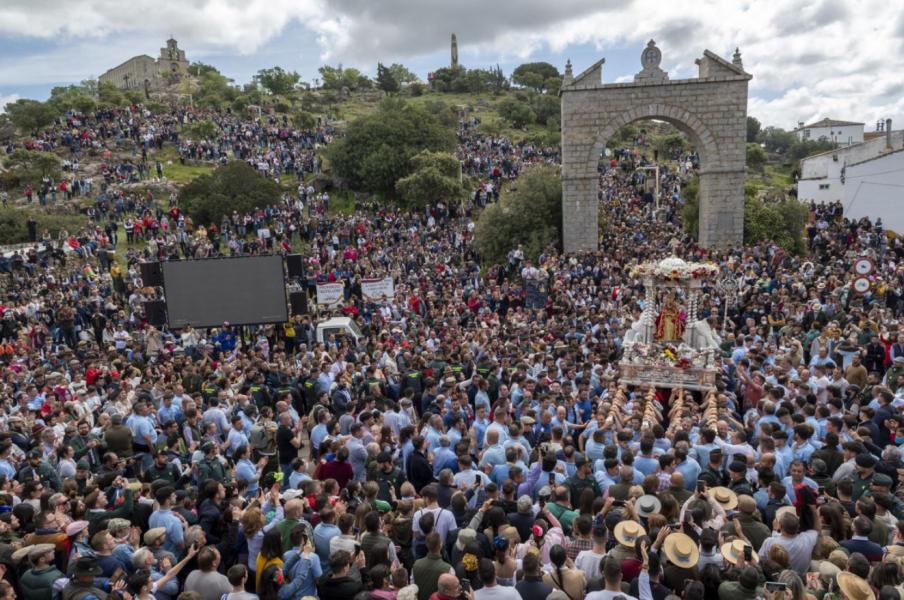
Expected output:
(302, 574)
(166, 414)
(245, 470)
(494, 455)
(323, 533)
(318, 434)
(791, 496)
(296, 478)
(236, 440)
(174, 540)
(142, 427)
(647, 466)
(690, 469)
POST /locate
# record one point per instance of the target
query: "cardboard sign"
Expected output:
(375, 290)
(330, 294)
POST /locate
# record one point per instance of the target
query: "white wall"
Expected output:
(843, 135)
(823, 170)
(876, 189)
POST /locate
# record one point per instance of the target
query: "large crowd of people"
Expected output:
(472, 445)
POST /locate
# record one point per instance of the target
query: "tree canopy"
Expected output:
(30, 115)
(538, 76)
(377, 149)
(386, 80)
(531, 216)
(458, 79)
(436, 178)
(277, 81)
(402, 74)
(235, 186)
(753, 129)
(336, 78)
(29, 166)
(781, 222)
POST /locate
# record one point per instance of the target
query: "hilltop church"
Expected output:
(148, 74)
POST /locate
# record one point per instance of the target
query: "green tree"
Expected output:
(436, 178)
(108, 94)
(203, 129)
(531, 216)
(377, 149)
(668, 144)
(276, 81)
(30, 166)
(777, 140)
(552, 85)
(534, 75)
(518, 113)
(197, 69)
(235, 186)
(753, 129)
(402, 74)
(331, 77)
(336, 78)
(386, 81)
(30, 115)
(803, 148)
(303, 120)
(72, 97)
(545, 107)
(781, 222)
(447, 115)
(756, 157)
(7, 128)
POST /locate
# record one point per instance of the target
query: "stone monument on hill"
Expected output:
(454, 51)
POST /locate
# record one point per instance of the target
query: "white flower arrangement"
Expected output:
(675, 268)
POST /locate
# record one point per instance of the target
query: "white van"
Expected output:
(339, 326)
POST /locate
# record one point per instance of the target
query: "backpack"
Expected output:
(262, 438)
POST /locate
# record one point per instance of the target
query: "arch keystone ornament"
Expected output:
(710, 109)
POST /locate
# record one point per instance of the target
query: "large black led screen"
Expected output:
(241, 291)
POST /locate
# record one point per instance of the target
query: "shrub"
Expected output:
(235, 186)
(531, 217)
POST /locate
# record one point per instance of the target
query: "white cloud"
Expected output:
(809, 58)
(6, 99)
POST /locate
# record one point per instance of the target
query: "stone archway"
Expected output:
(710, 109)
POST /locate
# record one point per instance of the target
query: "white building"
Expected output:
(843, 133)
(867, 178)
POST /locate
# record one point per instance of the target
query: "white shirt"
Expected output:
(497, 592)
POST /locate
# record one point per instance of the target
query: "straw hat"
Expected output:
(681, 550)
(726, 498)
(628, 532)
(734, 550)
(854, 587)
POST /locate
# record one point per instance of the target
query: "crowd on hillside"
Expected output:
(470, 446)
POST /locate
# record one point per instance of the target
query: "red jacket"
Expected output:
(340, 471)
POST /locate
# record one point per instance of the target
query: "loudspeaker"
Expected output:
(299, 303)
(151, 274)
(295, 265)
(155, 311)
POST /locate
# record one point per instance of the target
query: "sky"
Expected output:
(809, 58)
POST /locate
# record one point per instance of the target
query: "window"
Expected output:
(824, 186)
(806, 134)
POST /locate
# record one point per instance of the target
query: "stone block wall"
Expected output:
(712, 111)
